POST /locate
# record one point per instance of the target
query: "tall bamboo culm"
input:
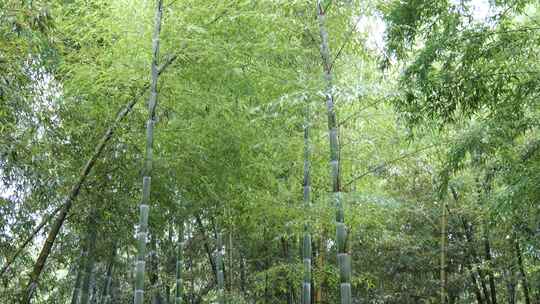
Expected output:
(179, 264)
(444, 224)
(90, 258)
(343, 256)
(80, 268)
(219, 266)
(106, 296)
(306, 249)
(147, 170)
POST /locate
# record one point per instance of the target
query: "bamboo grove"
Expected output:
(298, 152)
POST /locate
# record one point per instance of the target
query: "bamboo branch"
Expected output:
(386, 163)
(28, 240)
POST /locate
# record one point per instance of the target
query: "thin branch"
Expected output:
(28, 240)
(170, 4)
(347, 40)
(392, 161)
(355, 115)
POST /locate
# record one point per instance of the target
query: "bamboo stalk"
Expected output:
(522, 273)
(219, 265)
(179, 264)
(154, 271)
(78, 278)
(142, 236)
(106, 298)
(77, 288)
(206, 244)
(343, 257)
(90, 258)
(444, 236)
(470, 256)
(306, 248)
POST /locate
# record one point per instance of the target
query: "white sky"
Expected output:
(374, 27)
(480, 9)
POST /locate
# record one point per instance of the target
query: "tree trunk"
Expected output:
(202, 230)
(474, 282)
(266, 295)
(443, 253)
(486, 186)
(286, 255)
(487, 252)
(179, 264)
(471, 256)
(192, 281)
(476, 261)
(242, 274)
(147, 169)
(523, 275)
(510, 286)
(90, 258)
(343, 256)
(78, 278)
(537, 294)
(106, 296)
(306, 248)
(77, 288)
(266, 265)
(219, 265)
(94, 289)
(230, 273)
(154, 272)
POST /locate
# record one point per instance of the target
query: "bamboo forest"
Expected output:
(269, 151)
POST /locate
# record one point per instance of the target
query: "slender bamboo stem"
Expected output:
(522, 273)
(206, 244)
(77, 284)
(147, 170)
(106, 297)
(77, 288)
(154, 271)
(219, 265)
(343, 257)
(179, 264)
(487, 252)
(469, 254)
(443, 252)
(230, 258)
(90, 258)
(306, 248)
(486, 186)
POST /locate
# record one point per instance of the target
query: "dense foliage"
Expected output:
(437, 153)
